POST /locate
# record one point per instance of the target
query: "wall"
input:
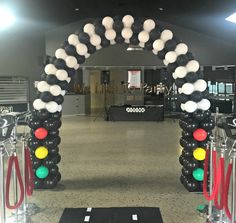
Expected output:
(21, 55)
(208, 50)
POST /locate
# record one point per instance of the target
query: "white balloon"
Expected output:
(155, 52)
(143, 36)
(141, 44)
(108, 22)
(181, 48)
(110, 34)
(128, 20)
(76, 67)
(190, 106)
(55, 90)
(60, 54)
(171, 57)
(95, 40)
(181, 72)
(50, 69)
(52, 106)
(165, 62)
(43, 86)
(192, 66)
(89, 28)
(148, 25)
(71, 61)
(61, 75)
(182, 107)
(63, 92)
(127, 41)
(112, 42)
(81, 49)
(59, 108)
(99, 47)
(158, 45)
(73, 39)
(200, 85)
(187, 88)
(166, 35)
(180, 90)
(68, 79)
(175, 77)
(204, 104)
(87, 55)
(38, 104)
(126, 33)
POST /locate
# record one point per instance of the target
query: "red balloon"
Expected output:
(41, 133)
(200, 135)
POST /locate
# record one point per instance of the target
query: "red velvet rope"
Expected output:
(227, 183)
(13, 160)
(217, 176)
(221, 186)
(29, 174)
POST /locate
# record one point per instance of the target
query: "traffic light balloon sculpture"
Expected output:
(181, 69)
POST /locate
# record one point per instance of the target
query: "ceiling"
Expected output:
(206, 16)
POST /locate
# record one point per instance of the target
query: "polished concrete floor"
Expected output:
(112, 164)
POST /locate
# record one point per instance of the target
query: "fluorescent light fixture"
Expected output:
(231, 18)
(134, 48)
(6, 17)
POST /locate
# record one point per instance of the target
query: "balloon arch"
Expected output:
(181, 68)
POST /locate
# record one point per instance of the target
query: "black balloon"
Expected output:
(49, 183)
(181, 160)
(196, 96)
(43, 77)
(191, 126)
(71, 71)
(179, 82)
(43, 114)
(52, 124)
(208, 124)
(148, 45)
(70, 50)
(186, 172)
(100, 29)
(80, 59)
(170, 45)
(191, 77)
(34, 123)
(105, 42)
(187, 153)
(190, 56)
(59, 99)
(50, 142)
(56, 159)
(36, 162)
(191, 164)
(53, 169)
(186, 134)
(34, 143)
(38, 183)
(186, 116)
(191, 144)
(137, 26)
(192, 185)
(134, 40)
(56, 115)
(54, 132)
(54, 150)
(51, 79)
(91, 48)
(182, 141)
(203, 144)
(183, 179)
(84, 38)
(46, 96)
(182, 98)
(118, 25)
(64, 85)
(182, 60)
(171, 67)
(155, 33)
(200, 74)
(60, 64)
(119, 39)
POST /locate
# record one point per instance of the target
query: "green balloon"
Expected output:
(42, 172)
(198, 174)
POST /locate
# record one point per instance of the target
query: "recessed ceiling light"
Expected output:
(76, 9)
(231, 18)
(161, 9)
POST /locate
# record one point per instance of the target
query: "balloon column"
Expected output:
(181, 68)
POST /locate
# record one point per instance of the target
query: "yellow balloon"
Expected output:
(199, 154)
(41, 152)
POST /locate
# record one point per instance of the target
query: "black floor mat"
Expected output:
(112, 215)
